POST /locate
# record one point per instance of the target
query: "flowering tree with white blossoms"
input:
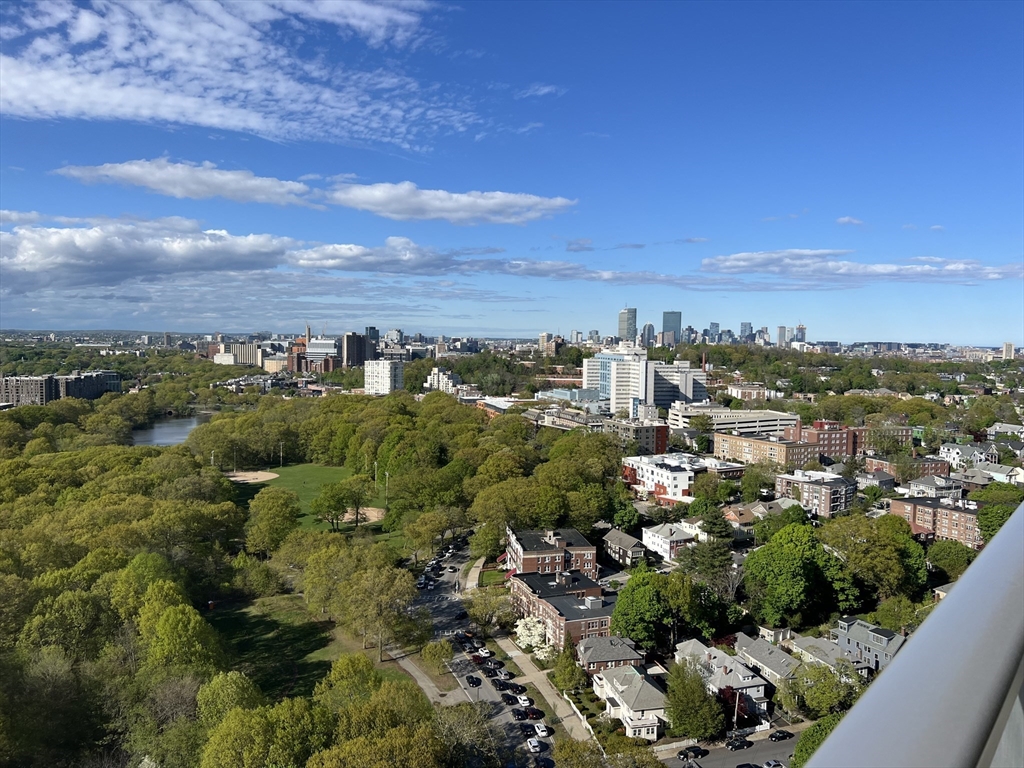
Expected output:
(529, 632)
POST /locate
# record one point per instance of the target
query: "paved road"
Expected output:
(758, 754)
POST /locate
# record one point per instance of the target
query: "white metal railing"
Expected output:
(954, 695)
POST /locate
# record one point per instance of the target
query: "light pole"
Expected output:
(211, 457)
(235, 465)
(387, 476)
(374, 475)
(282, 452)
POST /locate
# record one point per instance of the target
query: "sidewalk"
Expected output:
(423, 680)
(671, 747)
(472, 576)
(539, 678)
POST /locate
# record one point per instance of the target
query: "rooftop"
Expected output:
(574, 609)
(594, 649)
(542, 541)
(546, 585)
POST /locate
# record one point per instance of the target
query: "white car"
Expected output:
(542, 730)
(486, 652)
(525, 701)
(503, 674)
(774, 764)
(533, 745)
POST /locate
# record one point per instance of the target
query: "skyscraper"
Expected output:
(647, 335)
(713, 330)
(780, 339)
(746, 329)
(672, 322)
(627, 324)
(1008, 351)
(800, 334)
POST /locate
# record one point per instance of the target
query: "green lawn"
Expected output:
(275, 642)
(491, 577)
(305, 480)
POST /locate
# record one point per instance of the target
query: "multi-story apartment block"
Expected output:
(442, 380)
(747, 391)
(382, 377)
(927, 465)
(936, 487)
(754, 448)
(668, 477)
(823, 493)
(625, 375)
(727, 420)
(578, 618)
(865, 644)
(836, 440)
(624, 549)
(40, 390)
(551, 551)
(650, 436)
(526, 589)
(952, 519)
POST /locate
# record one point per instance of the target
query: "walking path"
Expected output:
(531, 674)
(473, 576)
(423, 680)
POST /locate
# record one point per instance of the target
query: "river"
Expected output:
(168, 431)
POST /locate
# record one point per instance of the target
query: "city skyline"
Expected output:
(409, 167)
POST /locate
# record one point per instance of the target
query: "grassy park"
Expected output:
(305, 480)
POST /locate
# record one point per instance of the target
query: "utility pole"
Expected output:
(211, 457)
(282, 453)
(387, 476)
(375, 475)
(235, 465)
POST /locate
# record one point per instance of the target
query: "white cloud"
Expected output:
(910, 226)
(580, 245)
(528, 127)
(936, 228)
(407, 201)
(238, 66)
(18, 217)
(540, 89)
(628, 246)
(849, 220)
(196, 182)
(828, 268)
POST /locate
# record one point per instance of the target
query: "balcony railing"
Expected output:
(954, 696)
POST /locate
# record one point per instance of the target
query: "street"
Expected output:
(758, 754)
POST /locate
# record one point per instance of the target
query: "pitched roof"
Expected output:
(617, 538)
(765, 655)
(634, 688)
(594, 649)
(725, 671)
(669, 531)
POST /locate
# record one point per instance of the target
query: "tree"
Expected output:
(767, 527)
(464, 731)
(812, 738)
(818, 691)
(780, 574)
(951, 558)
(530, 632)
(183, 639)
(703, 424)
(223, 693)
(756, 477)
(705, 486)
(626, 517)
(569, 753)
(895, 613)
(273, 514)
(714, 524)
(490, 606)
(692, 710)
(880, 552)
(438, 654)
(568, 675)
(352, 679)
(639, 611)
(376, 601)
(633, 757)
(992, 518)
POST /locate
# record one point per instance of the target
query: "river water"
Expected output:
(168, 431)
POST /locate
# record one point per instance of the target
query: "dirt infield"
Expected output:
(250, 477)
(369, 514)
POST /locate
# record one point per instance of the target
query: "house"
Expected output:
(936, 487)
(579, 618)
(772, 663)
(1001, 473)
(668, 478)
(1001, 428)
(860, 641)
(939, 593)
(666, 540)
(740, 518)
(724, 671)
(632, 696)
(624, 549)
(817, 650)
(596, 654)
(550, 551)
(691, 527)
(878, 479)
(528, 588)
(961, 456)
(763, 509)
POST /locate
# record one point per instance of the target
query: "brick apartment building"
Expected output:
(527, 589)
(836, 440)
(650, 436)
(579, 618)
(824, 493)
(754, 448)
(922, 466)
(550, 552)
(952, 519)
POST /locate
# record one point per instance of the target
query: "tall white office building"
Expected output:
(627, 378)
(382, 377)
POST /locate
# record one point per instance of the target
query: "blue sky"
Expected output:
(511, 168)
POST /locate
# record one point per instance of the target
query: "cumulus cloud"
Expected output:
(18, 217)
(849, 220)
(239, 66)
(828, 268)
(402, 201)
(936, 227)
(197, 182)
(540, 89)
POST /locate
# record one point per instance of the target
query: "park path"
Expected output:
(436, 695)
(532, 674)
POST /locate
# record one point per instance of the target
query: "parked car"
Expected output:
(473, 681)
(734, 744)
(495, 663)
(498, 685)
(478, 642)
(534, 714)
(516, 688)
(488, 672)
(461, 615)
(774, 764)
(477, 659)
(518, 714)
(508, 698)
(485, 652)
(691, 753)
(452, 569)
(525, 701)
(780, 735)
(533, 745)
(527, 729)
(747, 765)
(504, 674)
(542, 730)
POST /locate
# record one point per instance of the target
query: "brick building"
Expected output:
(823, 493)
(650, 436)
(754, 448)
(579, 618)
(951, 519)
(922, 466)
(550, 552)
(526, 589)
(836, 440)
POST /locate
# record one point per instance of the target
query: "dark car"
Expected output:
(478, 660)
(534, 714)
(461, 615)
(473, 681)
(735, 744)
(488, 672)
(527, 729)
(517, 689)
(691, 753)
(508, 698)
(780, 735)
(518, 714)
(747, 765)
(495, 663)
